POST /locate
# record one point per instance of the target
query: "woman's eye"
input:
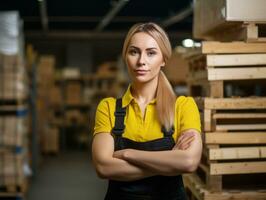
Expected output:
(133, 52)
(151, 53)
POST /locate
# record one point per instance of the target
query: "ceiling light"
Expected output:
(188, 43)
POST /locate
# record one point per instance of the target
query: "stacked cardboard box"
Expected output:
(13, 107)
(49, 98)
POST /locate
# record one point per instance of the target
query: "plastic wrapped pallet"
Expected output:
(11, 41)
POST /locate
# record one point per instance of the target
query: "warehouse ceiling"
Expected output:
(60, 27)
(100, 18)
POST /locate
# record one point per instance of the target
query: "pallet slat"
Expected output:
(239, 115)
(210, 47)
(237, 153)
(237, 168)
(236, 60)
(231, 127)
(236, 73)
(199, 191)
(231, 103)
(235, 138)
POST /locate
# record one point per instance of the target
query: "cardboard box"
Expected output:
(50, 140)
(73, 93)
(45, 70)
(55, 96)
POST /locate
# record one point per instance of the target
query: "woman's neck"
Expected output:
(144, 92)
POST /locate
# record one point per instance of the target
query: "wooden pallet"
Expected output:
(217, 63)
(238, 167)
(234, 138)
(241, 31)
(232, 114)
(197, 191)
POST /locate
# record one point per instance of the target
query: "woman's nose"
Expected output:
(141, 60)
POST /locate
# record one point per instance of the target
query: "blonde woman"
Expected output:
(145, 140)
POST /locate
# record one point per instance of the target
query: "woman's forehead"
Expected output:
(142, 39)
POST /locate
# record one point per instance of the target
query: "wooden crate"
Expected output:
(228, 20)
(196, 190)
(217, 63)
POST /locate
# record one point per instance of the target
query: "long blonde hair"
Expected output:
(165, 95)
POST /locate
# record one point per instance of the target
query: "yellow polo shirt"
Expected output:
(149, 128)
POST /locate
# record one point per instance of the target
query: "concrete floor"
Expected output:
(68, 176)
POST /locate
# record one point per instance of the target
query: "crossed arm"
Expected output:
(130, 164)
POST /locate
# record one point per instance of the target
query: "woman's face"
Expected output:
(144, 58)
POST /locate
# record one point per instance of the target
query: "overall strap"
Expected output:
(120, 114)
(168, 133)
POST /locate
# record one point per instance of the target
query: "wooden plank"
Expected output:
(236, 59)
(217, 89)
(258, 40)
(236, 138)
(239, 115)
(198, 189)
(240, 127)
(210, 47)
(215, 74)
(237, 168)
(207, 120)
(234, 103)
(237, 153)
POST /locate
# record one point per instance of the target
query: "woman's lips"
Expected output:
(141, 72)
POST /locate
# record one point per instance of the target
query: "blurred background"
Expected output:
(58, 59)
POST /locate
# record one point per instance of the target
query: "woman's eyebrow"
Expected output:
(150, 48)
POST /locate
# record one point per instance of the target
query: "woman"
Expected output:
(146, 139)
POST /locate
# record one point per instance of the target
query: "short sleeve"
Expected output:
(190, 117)
(102, 118)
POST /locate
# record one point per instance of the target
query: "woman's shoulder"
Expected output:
(184, 100)
(107, 102)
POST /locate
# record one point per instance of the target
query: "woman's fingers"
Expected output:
(184, 137)
(185, 143)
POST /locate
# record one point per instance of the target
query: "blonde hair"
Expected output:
(165, 95)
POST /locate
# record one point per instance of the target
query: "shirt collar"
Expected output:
(127, 98)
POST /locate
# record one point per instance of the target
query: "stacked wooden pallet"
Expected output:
(14, 127)
(230, 76)
(220, 63)
(234, 127)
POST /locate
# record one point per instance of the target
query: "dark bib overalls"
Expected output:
(151, 188)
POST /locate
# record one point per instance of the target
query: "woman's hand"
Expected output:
(121, 154)
(185, 140)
